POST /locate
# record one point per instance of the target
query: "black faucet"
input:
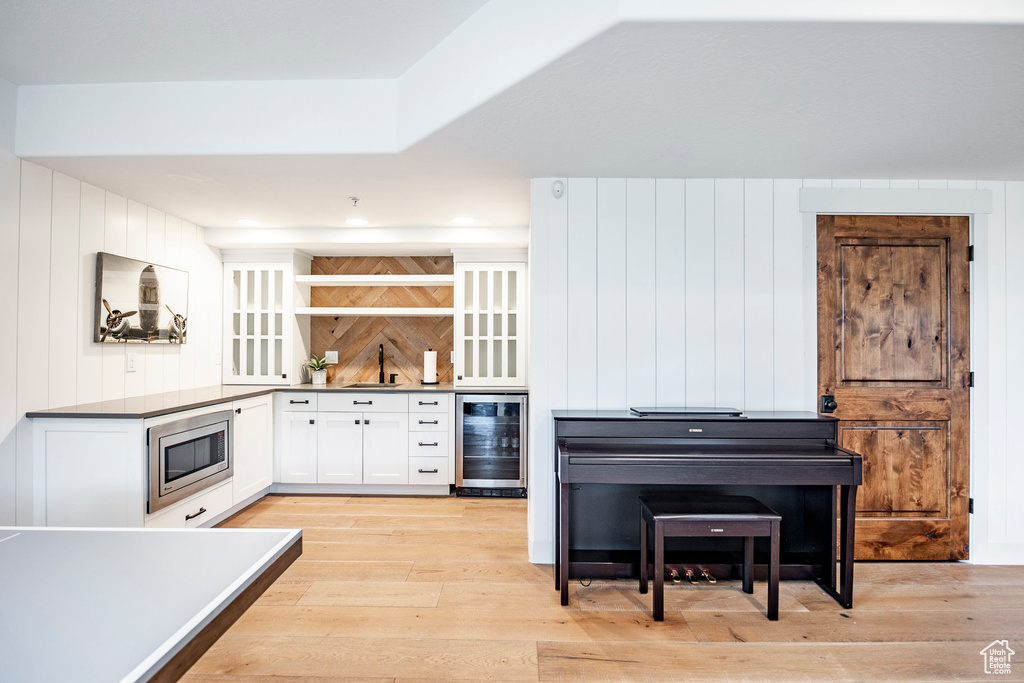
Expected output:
(380, 360)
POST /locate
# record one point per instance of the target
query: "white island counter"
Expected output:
(127, 604)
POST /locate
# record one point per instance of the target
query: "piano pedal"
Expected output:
(690, 576)
(673, 574)
(707, 575)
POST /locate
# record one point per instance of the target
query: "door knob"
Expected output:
(828, 404)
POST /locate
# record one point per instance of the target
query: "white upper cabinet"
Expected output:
(264, 342)
(490, 324)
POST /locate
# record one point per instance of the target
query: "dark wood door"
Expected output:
(893, 349)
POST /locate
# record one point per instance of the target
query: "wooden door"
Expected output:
(893, 349)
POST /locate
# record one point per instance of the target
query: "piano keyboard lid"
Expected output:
(687, 411)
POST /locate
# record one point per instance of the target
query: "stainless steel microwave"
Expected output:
(188, 456)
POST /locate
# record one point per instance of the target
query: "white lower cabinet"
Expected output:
(194, 511)
(386, 448)
(253, 447)
(356, 438)
(339, 449)
(298, 447)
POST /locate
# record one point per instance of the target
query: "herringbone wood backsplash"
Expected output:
(356, 338)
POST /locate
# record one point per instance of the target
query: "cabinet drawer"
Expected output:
(428, 470)
(428, 403)
(364, 403)
(428, 444)
(292, 401)
(428, 422)
(214, 502)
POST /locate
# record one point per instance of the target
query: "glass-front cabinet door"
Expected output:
(256, 351)
(490, 324)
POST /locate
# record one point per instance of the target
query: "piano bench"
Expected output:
(709, 515)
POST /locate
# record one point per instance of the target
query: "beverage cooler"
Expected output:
(490, 445)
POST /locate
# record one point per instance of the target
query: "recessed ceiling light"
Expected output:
(463, 220)
(358, 222)
(249, 223)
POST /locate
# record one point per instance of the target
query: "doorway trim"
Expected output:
(976, 205)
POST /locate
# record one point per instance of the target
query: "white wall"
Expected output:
(702, 291)
(63, 223)
(10, 172)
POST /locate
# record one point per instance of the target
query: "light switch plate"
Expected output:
(131, 362)
(331, 357)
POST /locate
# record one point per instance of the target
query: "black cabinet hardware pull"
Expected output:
(305, 402)
(428, 422)
(366, 422)
(238, 411)
(362, 403)
(428, 444)
(422, 471)
(428, 403)
(202, 511)
(357, 421)
(312, 422)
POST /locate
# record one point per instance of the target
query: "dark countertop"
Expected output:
(753, 415)
(153, 405)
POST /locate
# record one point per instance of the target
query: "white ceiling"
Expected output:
(127, 41)
(639, 99)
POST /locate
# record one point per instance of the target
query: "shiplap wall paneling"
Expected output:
(728, 297)
(548, 339)
(63, 340)
(156, 249)
(1014, 346)
(641, 300)
(10, 209)
(135, 383)
(611, 293)
(187, 351)
(700, 292)
(89, 384)
(171, 353)
(539, 517)
(788, 309)
(581, 195)
(758, 295)
(115, 241)
(670, 291)
(33, 314)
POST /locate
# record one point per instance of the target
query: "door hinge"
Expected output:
(970, 253)
(970, 506)
(970, 379)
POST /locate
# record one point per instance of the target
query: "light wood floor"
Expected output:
(423, 589)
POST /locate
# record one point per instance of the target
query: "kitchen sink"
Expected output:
(372, 385)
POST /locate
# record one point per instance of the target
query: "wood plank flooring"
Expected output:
(400, 590)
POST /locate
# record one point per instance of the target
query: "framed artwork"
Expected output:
(138, 301)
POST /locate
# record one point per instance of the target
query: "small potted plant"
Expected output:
(317, 369)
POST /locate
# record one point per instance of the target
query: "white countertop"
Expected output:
(118, 604)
